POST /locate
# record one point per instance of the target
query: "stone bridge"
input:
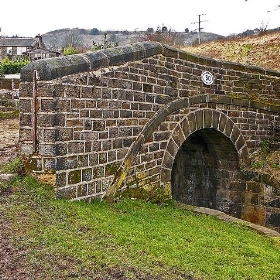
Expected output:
(153, 119)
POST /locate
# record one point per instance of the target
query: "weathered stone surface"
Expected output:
(120, 117)
(52, 68)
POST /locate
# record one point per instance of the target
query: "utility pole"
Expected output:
(199, 26)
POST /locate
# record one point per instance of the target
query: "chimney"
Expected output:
(41, 43)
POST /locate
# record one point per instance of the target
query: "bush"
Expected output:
(8, 66)
(163, 35)
(70, 50)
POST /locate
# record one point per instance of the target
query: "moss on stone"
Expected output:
(111, 169)
(74, 177)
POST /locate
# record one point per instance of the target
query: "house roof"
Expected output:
(18, 42)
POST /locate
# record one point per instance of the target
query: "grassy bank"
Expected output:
(130, 239)
(260, 50)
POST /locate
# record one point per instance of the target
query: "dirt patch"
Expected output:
(12, 263)
(11, 260)
(9, 138)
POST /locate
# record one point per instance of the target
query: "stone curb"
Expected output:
(52, 68)
(222, 216)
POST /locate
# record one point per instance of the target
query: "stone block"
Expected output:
(67, 162)
(25, 105)
(111, 169)
(169, 51)
(229, 127)
(151, 48)
(46, 178)
(178, 136)
(47, 149)
(86, 174)
(239, 144)
(192, 122)
(25, 119)
(87, 92)
(199, 114)
(97, 59)
(64, 134)
(25, 134)
(172, 148)
(235, 133)
(26, 89)
(61, 179)
(49, 164)
(83, 160)
(222, 122)
(74, 177)
(208, 118)
(26, 149)
(168, 161)
(82, 190)
(273, 219)
(253, 214)
(47, 105)
(66, 193)
(93, 159)
(185, 128)
(98, 125)
(161, 135)
(48, 69)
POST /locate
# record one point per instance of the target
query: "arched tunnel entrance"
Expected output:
(203, 169)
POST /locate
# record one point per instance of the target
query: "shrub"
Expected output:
(70, 50)
(8, 66)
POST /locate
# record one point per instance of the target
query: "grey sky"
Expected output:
(30, 17)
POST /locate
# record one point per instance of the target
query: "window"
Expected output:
(21, 50)
(9, 50)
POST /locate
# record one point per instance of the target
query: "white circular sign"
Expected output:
(207, 78)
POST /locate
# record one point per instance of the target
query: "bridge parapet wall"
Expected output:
(109, 114)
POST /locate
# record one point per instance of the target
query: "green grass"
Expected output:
(14, 166)
(132, 239)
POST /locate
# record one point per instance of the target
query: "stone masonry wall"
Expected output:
(119, 116)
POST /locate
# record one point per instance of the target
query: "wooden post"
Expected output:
(34, 114)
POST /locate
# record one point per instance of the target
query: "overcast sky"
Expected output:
(31, 17)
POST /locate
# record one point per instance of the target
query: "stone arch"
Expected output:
(220, 120)
(199, 120)
(203, 170)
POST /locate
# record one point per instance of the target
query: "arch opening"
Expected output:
(204, 168)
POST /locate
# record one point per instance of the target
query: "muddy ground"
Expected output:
(12, 265)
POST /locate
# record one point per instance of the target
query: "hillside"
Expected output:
(57, 38)
(262, 50)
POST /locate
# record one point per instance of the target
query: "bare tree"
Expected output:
(73, 40)
(54, 44)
